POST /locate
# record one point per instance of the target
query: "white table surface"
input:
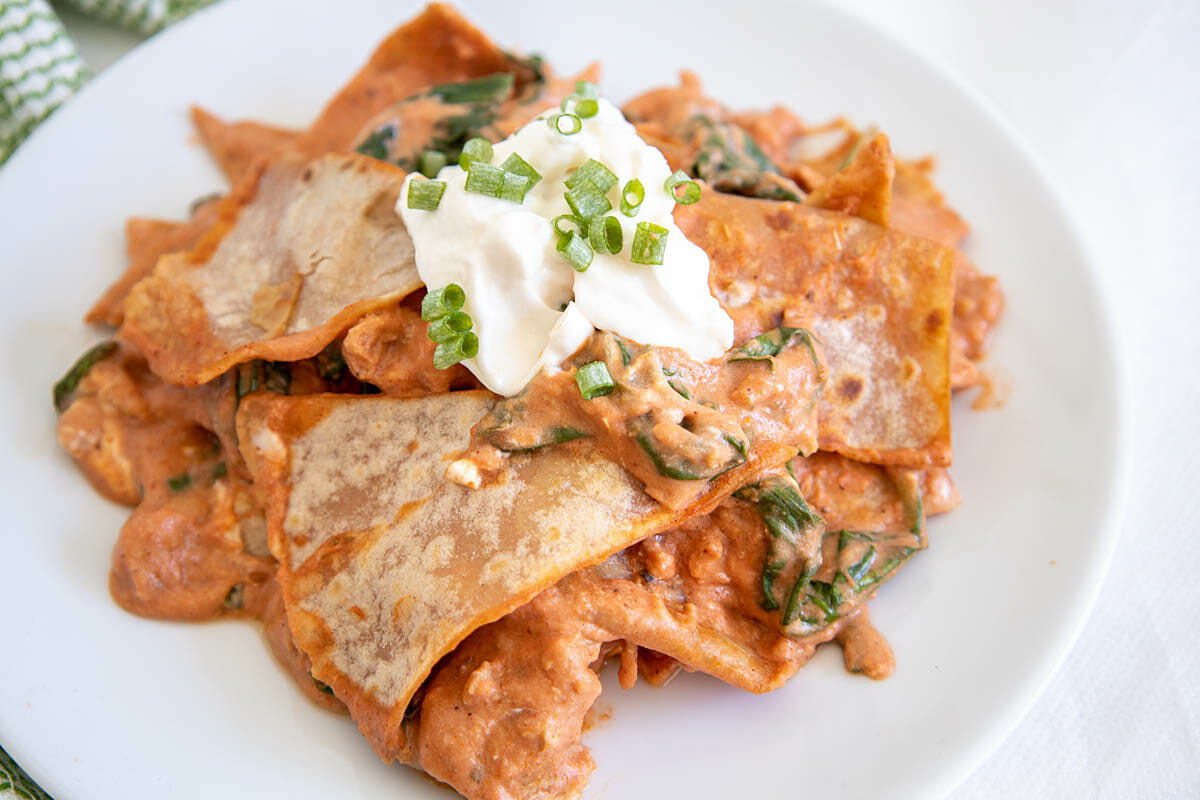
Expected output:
(1108, 94)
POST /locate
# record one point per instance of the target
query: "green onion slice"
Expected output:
(605, 234)
(485, 179)
(566, 124)
(587, 200)
(691, 189)
(631, 198)
(425, 195)
(587, 108)
(575, 249)
(477, 149)
(447, 354)
(449, 327)
(571, 218)
(519, 166)
(432, 162)
(440, 302)
(593, 380)
(592, 170)
(587, 89)
(649, 243)
(513, 187)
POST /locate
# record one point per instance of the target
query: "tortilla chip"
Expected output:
(863, 188)
(146, 240)
(386, 566)
(299, 255)
(439, 46)
(237, 145)
(879, 302)
(920, 209)
(691, 594)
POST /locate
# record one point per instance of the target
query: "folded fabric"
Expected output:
(39, 65)
(39, 69)
(15, 783)
(142, 16)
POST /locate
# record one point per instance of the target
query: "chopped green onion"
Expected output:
(583, 101)
(592, 170)
(470, 345)
(483, 178)
(449, 327)
(477, 149)
(514, 187)
(574, 248)
(631, 198)
(605, 234)
(425, 195)
(519, 166)
(447, 354)
(691, 189)
(593, 380)
(432, 162)
(177, 483)
(440, 302)
(580, 224)
(219, 470)
(649, 244)
(587, 200)
(566, 124)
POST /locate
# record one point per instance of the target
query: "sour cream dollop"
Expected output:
(530, 308)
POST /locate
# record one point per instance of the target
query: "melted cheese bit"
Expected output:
(530, 308)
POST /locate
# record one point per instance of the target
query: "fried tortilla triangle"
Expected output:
(879, 301)
(386, 566)
(301, 250)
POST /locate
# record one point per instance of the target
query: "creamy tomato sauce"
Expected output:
(746, 592)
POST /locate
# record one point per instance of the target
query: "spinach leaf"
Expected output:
(787, 517)
(331, 364)
(234, 597)
(555, 435)
(732, 162)
(377, 142)
(67, 384)
(488, 89)
(180, 482)
(766, 346)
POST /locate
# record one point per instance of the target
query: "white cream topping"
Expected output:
(530, 308)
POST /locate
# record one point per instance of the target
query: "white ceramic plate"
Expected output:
(97, 703)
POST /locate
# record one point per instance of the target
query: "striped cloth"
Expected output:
(39, 69)
(15, 783)
(39, 65)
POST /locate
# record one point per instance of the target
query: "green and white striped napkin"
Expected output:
(39, 69)
(15, 783)
(39, 65)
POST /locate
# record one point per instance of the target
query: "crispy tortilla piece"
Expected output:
(879, 301)
(297, 257)
(146, 240)
(438, 46)
(235, 146)
(920, 208)
(386, 566)
(863, 188)
(502, 716)
(389, 349)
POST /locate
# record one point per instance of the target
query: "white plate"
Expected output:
(97, 703)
